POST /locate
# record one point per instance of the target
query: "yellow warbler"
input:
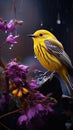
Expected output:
(52, 56)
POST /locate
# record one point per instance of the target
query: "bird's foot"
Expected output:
(51, 75)
(46, 76)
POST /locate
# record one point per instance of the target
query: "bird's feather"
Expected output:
(59, 53)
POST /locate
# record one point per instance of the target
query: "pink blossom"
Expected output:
(12, 39)
(11, 25)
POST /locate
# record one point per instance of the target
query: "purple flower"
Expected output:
(11, 25)
(31, 113)
(39, 107)
(39, 95)
(18, 81)
(12, 39)
(17, 73)
(12, 65)
(11, 69)
(3, 26)
(27, 117)
(21, 119)
(35, 105)
(23, 69)
(33, 84)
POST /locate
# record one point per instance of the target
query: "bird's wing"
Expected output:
(59, 53)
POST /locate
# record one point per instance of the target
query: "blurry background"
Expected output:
(53, 15)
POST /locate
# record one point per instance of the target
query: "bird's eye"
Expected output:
(41, 34)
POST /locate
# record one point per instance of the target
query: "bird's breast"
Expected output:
(47, 60)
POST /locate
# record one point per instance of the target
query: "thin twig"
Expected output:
(4, 126)
(15, 9)
(10, 113)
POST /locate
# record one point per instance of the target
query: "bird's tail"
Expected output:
(69, 84)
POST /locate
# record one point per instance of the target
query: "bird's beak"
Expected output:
(31, 35)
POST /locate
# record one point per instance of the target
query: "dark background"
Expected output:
(37, 14)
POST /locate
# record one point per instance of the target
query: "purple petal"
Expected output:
(21, 119)
(11, 26)
(12, 63)
(39, 107)
(33, 84)
(24, 68)
(18, 81)
(39, 95)
(31, 113)
(11, 67)
(11, 39)
(17, 73)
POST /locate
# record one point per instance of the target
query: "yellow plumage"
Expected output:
(50, 53)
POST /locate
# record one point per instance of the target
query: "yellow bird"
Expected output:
(52, 56)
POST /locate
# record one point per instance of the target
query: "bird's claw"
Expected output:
(46, 76)
(51, 75)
